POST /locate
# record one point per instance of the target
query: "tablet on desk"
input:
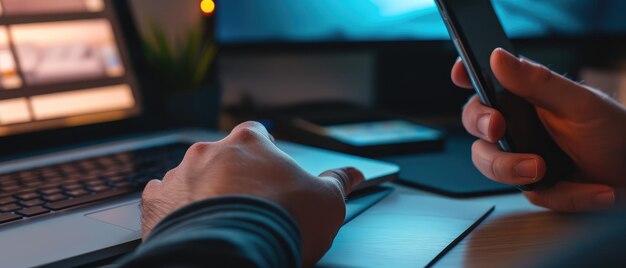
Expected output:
(376, 133)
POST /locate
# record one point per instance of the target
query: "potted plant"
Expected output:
(184, 77)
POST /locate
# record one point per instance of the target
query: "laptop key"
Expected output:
(98, 188)
(31, 203)
(88, 180)
(27, 196)
(76, 193)
(33, 184)
(7, 217)
(10, 182)
(11, 188)
(122, 184)
(55, 179)
(116, 178)
(54, 197)
(50, 191)
(72, 186)
(34, 211)
(7, 200)
(10, 208)
(88, 198)
(94, 183)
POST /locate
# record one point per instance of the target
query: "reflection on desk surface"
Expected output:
(519, 240)
(516, 234)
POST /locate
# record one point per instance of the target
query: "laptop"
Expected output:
(80, 135)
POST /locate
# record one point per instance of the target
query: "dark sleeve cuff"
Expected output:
(234, 231)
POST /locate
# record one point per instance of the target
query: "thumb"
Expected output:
(348, 178)
(539, 85)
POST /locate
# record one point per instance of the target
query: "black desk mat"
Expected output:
(449, 172)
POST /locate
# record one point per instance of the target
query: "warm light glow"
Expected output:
(207, 6)
(82, 102)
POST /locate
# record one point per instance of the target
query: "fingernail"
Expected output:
(483, 125)
(605, 199)
(510, 60)
(527, 169)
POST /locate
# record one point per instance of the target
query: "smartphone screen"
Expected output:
(381, 133)
(476, 32)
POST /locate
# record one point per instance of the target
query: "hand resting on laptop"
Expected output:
(248, 163)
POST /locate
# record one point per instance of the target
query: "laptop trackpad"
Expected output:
(126, 216)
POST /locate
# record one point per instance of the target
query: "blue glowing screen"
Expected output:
(254, 21)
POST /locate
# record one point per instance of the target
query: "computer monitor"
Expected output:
(409, 41)
(63, 63)
(323, 21)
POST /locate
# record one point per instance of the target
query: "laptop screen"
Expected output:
(62, 64)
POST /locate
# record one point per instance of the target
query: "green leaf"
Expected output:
(204, 64)
(184, 68)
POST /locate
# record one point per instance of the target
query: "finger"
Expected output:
(459, 75)
(574, 197)
(151, 187)
(537, 84)
(507, 168)
(347, 178)
(483, 122)
(251, 131)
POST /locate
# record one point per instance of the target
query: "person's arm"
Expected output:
(233, 231)
(246, 163)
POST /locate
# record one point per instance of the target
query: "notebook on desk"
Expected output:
(404, 230)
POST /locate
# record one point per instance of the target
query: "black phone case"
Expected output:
(525, 133)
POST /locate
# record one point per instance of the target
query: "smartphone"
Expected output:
(476, 32)
(375, 133)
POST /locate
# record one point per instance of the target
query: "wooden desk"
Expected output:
(514, 235)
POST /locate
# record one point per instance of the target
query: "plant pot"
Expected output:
(198, 108)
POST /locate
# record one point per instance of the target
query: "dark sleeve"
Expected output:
(222, 232)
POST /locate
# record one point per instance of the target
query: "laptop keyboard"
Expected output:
(36, 192)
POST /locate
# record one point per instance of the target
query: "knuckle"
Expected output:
(169, 175)
(250, 124)
(149, 190)
(198, 148)
(246, 135)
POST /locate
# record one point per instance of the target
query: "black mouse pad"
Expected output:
(449, 172)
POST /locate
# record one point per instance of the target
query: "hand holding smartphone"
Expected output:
(476, 32)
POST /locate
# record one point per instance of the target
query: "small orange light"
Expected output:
(207, 7)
